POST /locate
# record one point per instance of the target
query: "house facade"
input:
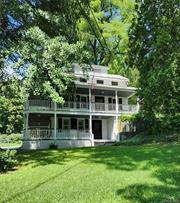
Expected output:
(89, 117)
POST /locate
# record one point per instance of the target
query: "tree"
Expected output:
(105, 31)
(40, 37)
(154, 51)
(11, 106)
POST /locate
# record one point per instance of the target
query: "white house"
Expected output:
(89, 117)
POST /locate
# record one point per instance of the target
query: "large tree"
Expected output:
(38, 44)
(155, 52)
(105, 31)
(40, 39)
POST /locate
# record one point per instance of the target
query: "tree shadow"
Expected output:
(163, 160)
(142, 193)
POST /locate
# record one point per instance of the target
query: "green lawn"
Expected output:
(102, 174)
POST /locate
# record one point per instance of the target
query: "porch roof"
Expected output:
(109, 91)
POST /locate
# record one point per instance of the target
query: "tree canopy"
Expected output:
(155, 52)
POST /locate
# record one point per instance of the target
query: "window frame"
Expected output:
(115, 83)
(100, 82)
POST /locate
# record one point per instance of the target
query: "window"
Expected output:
(66, 124)
(120, 100)
(100, 82)
(82, 80)
(114, 83)
(74, 123)
(60, 123)
(80, 124)
(87, 125)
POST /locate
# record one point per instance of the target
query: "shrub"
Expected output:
(11, 138)
(7, 160)
(53, 146)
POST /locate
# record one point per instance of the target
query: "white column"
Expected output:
(116, 119)
(116, 97)
(90, 130)
(26, 126)
(55, 121)
(90, 99)
(90, 118)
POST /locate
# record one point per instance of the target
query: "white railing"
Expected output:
(73, 105)
(46, 105)
(73, 135)
(103, 107)
(128, 108)
(39, 134)
(38, 104)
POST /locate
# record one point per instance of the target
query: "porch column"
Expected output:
(90, 130)
(55, 121)
(90, 98)
(116, 119)
(26, 136)
(90, 119)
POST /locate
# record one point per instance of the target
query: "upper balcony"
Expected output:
(94, 107)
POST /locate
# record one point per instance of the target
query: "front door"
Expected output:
(97, 129)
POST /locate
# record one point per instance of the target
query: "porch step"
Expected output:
(103, 142)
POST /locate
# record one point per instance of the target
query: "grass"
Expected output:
(136, 174)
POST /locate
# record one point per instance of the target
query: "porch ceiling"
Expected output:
(121, 93)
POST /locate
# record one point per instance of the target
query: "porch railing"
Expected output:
(46, 134)
(47, 105)
(73, 105)
(40, 134)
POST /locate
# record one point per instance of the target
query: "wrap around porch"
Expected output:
(62, 127)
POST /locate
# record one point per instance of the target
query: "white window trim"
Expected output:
(63, 123)
(81, 119)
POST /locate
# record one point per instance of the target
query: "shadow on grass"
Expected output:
(142, 193)
(163, 160)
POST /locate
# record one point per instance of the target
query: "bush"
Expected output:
(7, 160)
(146, 138)
(11, 138)
(53, 146)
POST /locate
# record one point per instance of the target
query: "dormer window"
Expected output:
(114, 83)
(100, 82)
(82, 80)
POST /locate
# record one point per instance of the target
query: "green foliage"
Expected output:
(7, 160)
(154, 51)
(132, 117)
(105, 31)
(12, 138)
(46, 43)
(11, 106)
(146, 138)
